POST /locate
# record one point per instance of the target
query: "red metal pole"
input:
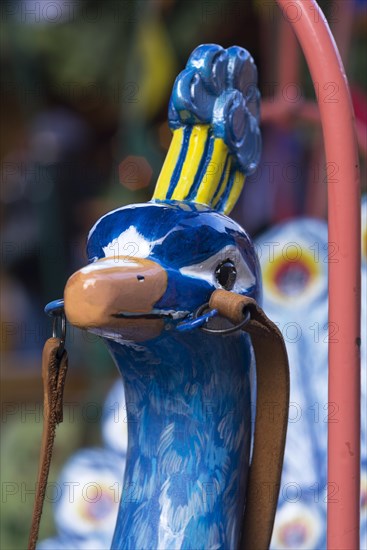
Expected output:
(337, 119)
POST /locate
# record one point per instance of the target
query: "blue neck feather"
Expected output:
(189, 429)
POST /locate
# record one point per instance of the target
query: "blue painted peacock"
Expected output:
(188, 393)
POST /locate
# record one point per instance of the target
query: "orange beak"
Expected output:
(115, 295)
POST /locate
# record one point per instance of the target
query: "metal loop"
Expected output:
(55, 310)
(59, 322)
(56, 307)
(234, 328)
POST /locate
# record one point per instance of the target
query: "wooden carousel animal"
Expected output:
(188, 391)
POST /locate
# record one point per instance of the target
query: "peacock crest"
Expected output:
(214, 115)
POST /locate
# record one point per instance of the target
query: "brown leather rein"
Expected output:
(272, 402)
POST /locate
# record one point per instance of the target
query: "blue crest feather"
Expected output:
(219, 87)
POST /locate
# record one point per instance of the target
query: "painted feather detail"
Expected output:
(214, 114)
(184, 456)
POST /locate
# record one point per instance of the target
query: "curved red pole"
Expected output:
(337, 119)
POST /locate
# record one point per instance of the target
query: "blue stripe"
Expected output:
(221, 180)
(204, 161)
(223, 200)
(181, 159)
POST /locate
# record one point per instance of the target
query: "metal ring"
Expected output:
(247, 317)
(55, 310)
(55, 322)
(56, 307)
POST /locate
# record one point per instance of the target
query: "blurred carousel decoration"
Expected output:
(88, 491)
(293, 258)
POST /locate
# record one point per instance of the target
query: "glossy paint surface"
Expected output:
(187, 394)
(214, 114)
(188, 241)
(189, 430)
(219, 87)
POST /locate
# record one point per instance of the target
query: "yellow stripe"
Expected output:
(191, 164)
(213, 172)
(194, 156)
(239, 180)
(224, 183)
(169, 165)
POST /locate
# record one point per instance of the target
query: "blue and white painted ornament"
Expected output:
(87, 494)
(294, 260)
(90, 492)
(189, 421)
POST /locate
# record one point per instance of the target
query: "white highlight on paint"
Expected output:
(174, 314)
(107, 264)
(129, 243)
(206, 270)
(88, 283)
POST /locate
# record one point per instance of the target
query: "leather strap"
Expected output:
(270, 425)
(53, 373)
(272, 403)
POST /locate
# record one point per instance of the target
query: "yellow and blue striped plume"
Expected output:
(214, 115)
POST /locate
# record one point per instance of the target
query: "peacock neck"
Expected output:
(189, 430)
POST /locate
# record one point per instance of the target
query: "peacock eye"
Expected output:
(226, 274)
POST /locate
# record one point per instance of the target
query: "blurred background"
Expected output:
(84, 94)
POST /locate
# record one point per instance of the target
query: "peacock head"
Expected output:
(154, 264)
